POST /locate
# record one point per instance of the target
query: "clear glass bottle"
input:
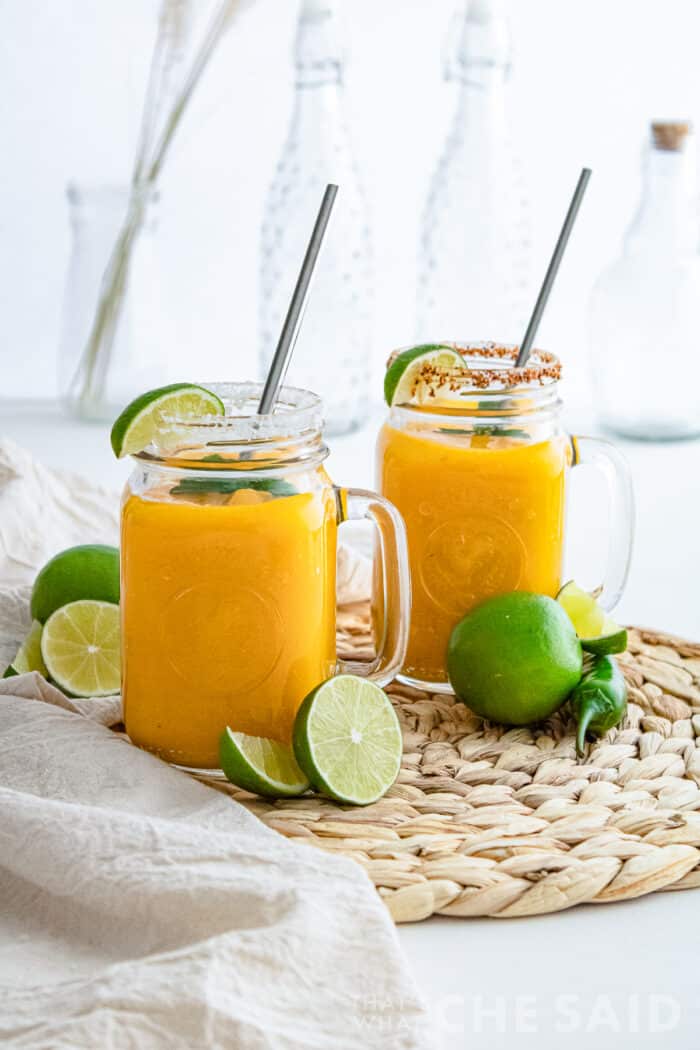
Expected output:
(474, 251)
(644, 316)
(131, 354)
(333, 352)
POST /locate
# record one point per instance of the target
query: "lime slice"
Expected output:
(88, 571)
(28, 656)
(599, 633)
(347, 739)
(401, 382)
(80, 647)
(262, 766)
(137, 426)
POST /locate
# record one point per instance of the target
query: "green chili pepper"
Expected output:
(599, 700)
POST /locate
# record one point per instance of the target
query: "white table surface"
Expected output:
(619, 975)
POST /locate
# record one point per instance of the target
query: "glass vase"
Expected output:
(112, 333)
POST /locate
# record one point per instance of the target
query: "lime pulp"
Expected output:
(80, 647)
(347, 739)
(598, 632)
(261, 766)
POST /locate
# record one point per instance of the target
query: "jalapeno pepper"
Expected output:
(599, 700)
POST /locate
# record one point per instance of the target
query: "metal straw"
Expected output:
(553, 268)
(295, 313)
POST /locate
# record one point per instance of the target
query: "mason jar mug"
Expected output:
(228, 547)
(478, 469)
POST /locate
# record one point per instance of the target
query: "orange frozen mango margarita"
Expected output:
(473, 456)
(228, 567)
(484, 515)
(228, 617)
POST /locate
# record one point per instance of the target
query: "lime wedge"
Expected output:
(139, 423)
(598, 633)
(347, 739)
(28, 656)
(402, 380)
(80, 647)
(262, 766)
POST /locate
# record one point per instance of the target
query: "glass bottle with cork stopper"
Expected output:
(644, 315)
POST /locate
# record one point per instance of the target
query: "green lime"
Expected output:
(515, 658)
(347, 739)
(28, 657)
(262, 766)
(401, 377)
(89, 571)
(80, 647)
(598, 632)
(139, 423)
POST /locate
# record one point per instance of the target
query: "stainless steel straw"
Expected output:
(553, 268)
(295, 313)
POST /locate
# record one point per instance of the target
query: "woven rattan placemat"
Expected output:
(486, 820)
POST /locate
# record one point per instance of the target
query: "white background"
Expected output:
(587, 79)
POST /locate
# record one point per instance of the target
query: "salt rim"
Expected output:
(543, 368)
(296, 412)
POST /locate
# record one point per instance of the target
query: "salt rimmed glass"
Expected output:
(229, 528)
(478, 468)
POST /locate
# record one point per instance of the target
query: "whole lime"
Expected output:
(515, 658)
(89, 571)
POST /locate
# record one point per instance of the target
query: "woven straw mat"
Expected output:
(486, 820)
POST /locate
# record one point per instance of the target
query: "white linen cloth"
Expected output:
(139, 908)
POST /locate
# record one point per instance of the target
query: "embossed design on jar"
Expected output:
(242, 619)
(470, 559)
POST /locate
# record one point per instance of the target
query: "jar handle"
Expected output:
(395, 599)
(610, 462)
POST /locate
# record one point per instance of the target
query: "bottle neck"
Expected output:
(483, 56)
(481, 67)
(667, 215)
(318, 58)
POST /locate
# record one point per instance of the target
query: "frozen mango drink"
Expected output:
(474, 457)
(228, 550)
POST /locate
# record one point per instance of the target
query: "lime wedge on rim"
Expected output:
(262, 766)
(28, 656)
(80, 647)
(401, 382)
(347, 739)
(598, 632)
(138, 424)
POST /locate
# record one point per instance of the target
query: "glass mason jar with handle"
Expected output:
(228, 544)
(478, 469)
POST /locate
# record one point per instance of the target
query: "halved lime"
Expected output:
(28, 656)
(401, 384)
(262, 766)
(88, 571)
(598, 632)
(80, 647)
(140, 421)
(347, 739)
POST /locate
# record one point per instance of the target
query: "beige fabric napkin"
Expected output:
(139, 908)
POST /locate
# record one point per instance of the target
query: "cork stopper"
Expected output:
(670, 135)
